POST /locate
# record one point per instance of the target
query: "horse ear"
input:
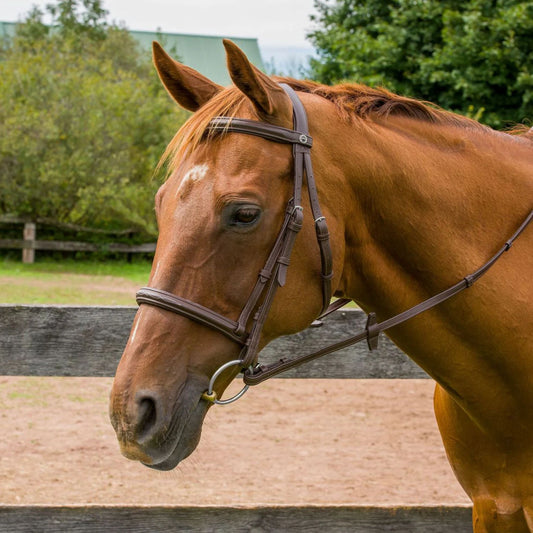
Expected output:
(269, 99)
(187, 87)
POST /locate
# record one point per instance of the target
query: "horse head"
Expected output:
(219, 215)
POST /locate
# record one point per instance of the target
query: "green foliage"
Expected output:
(471, 56)
(83, 119)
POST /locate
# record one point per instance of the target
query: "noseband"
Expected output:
(274, 273)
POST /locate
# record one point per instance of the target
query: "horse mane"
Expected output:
(521, 130)
(353, 101)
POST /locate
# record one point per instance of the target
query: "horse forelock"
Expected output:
(225, 104)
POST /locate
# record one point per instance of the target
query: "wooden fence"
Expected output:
(29, 243)
(88, 341)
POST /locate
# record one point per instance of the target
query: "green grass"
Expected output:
(72, 282)
(136, 272)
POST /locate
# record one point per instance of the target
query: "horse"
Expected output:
(414, 197)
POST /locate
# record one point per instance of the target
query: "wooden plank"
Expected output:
(59, 340)
(75, 246)
(7, 219)
(333, 519)
(15, 244)
(130, 248)
(28, 253)
(66, 246)
(44, 340)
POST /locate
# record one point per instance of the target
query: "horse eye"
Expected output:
(244, 216)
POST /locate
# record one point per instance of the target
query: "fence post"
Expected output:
(28, 252)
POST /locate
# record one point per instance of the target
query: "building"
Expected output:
(204, 53)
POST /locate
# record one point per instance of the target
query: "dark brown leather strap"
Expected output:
(334, 306)
(250, 352)
(373, 328)
(198, 313)
(267, 272)
(261, 129)
(302, 158)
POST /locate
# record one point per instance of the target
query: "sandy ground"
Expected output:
(286, 441)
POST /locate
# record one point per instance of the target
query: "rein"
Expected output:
(273, 274)
(373, 328)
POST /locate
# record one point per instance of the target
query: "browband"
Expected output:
(260, 129)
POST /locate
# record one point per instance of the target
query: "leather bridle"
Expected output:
(273, 275)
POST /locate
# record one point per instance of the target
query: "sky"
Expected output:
(275, 23)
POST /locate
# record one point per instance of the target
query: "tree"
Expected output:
(83, 120)
(467, 56)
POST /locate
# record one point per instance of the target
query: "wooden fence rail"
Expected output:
(276, 519)
(42, 340)
(29, 244)
(29, 247)
(76, 246)
(88, 341)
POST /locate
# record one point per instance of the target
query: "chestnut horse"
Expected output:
(415, 199)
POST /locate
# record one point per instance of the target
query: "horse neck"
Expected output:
(425, 205)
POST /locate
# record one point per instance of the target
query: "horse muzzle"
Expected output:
(158, 431)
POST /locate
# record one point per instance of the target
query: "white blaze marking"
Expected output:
(134, 334)
(196, 173)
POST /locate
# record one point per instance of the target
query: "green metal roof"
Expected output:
(204, 53)
(7, 29)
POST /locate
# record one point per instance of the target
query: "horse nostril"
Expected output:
(146, 417)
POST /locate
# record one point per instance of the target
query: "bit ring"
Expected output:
(211, 396)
